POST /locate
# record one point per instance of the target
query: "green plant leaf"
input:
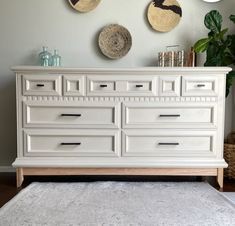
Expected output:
(232, 18)
(213, 21)
(222, 33)
(202, 45)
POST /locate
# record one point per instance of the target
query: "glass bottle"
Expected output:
(56, 59)
(45, 57)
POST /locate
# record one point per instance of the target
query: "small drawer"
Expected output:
(49, 85)
(165, 115)
(170, 86)
(122, 85)
(74, 85)
(84, 143)
(199, 86)
(169, 143)
(75, 115)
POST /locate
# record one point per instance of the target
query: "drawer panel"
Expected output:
(42, 85)
(163, 115)
(199, 86)
(122, 85)
(169, 143)
(85, 143)
(74, 85)
(170, 86)
(76, 115)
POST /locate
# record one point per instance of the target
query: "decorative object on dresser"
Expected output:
(219, 47)
(164, 15)
(115, 41)
(143, 121)
(84, 5)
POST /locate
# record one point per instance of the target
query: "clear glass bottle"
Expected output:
(45, 57)
(56, 59)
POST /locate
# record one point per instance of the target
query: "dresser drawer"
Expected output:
(74, 85)
(169, 115)
(122, 85)
(85, 143)
(199, 86)
(169, 143)
(74, 114)
(42, 85)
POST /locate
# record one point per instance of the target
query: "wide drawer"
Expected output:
(199, 86)
(85, 143)
(169, 143)
(169, 115)
(122, 85)
(74, 114)
(42, 85)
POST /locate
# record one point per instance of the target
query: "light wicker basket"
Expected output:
(229, 155)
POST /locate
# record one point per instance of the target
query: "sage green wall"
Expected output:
(26, 25)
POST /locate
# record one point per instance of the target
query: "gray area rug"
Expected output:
(230, 196)
(118, 204)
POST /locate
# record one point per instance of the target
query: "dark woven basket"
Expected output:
(229, 155)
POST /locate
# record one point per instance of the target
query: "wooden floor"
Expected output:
(8, 185)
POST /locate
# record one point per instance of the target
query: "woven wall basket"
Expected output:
(84, 5)
(163, 15)
(115, 41)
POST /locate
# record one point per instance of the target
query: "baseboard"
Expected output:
(7, 169)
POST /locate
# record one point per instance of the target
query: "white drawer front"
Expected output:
(167, 115)
(170, 86)
(76, 115)
(169, 143)
(74, 85)
(122, 85)
(200, 86)
(56, 143)
(49, 85)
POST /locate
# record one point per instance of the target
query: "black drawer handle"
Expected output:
(201, 85)
(70, 144)
(103, 86)
(166, 144)
(40, 85)
(170, 116)
(139, 86)
(71, 115)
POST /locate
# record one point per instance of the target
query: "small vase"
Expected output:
(45, 57)
(56, 59)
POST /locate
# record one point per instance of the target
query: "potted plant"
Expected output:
(219, 46)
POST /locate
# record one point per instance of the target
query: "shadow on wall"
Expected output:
(8, 121)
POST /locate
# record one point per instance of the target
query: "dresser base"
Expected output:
(218, 172)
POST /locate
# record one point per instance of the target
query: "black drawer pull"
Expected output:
(103, 86)
(170, 116)
(71, 115)
(70, 144)
(139, 86)
(166, 144)
(40, 85)
(201, 85)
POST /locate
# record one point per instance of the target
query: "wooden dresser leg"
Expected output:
(220, 177)
(19, 177)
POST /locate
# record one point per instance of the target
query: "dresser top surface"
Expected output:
(21, 69)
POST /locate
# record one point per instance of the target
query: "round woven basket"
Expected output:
(115, 41)
(84, 5)
(164, 16)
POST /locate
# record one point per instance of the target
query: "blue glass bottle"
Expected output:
(45, 57)
(56, 59)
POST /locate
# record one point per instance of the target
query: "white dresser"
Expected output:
(140, 121)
